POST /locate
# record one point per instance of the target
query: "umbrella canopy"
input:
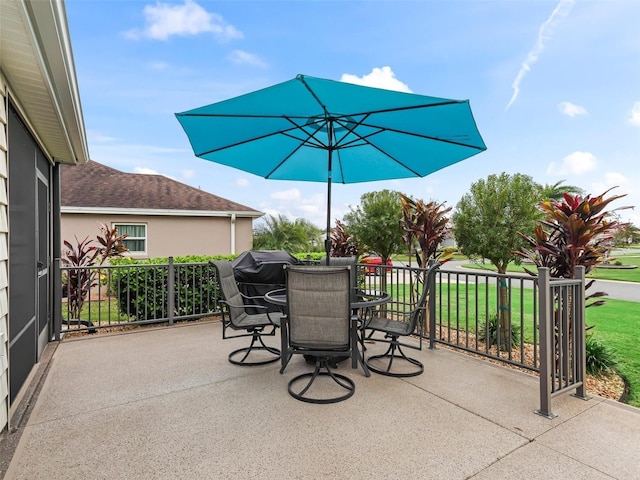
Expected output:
(319, 130)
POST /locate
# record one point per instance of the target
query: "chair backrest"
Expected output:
(345, 261)
(229, 288)
(428, 285)
(319, 307)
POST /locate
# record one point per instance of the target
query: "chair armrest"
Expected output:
(257, 297)
(244, 305)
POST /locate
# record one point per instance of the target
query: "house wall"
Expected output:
(4, 258)
(169, 235)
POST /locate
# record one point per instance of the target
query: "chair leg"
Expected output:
(322, 363)
(394, 352)
(246, 351)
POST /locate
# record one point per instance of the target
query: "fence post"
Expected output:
(57, 299)
(432, 308)
(579, 325)
(546, 333)
(171, 290)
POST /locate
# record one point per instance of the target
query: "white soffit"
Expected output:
(37, 63)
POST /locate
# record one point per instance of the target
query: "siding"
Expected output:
(4, 258)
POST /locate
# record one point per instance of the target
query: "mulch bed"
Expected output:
(611, 385)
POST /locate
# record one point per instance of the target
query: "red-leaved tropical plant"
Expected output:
(577, 231)
(428, 224)
(83, 255)
(343, 244)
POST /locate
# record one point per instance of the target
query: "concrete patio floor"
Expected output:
(164, 403)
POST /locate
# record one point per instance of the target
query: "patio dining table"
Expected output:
(364, 303)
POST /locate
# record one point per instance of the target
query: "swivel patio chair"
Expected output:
(319, 324)
(397, 324)
(345, 261)
(235, 317)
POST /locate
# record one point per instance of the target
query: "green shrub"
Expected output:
(491, 336)
(141, 291)
(600, 358)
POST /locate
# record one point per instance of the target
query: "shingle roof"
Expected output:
(96, 185)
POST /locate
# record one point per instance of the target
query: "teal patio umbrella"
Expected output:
(318, 130)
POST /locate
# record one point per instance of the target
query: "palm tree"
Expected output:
(280, 233)
(557, 190)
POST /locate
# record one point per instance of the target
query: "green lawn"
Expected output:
(625, 275)
(99, 312)
(617, 324)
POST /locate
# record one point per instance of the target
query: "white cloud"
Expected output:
(145, 171)
(575, 163)
(634, 119)
(164, 20)
(291, 195)
(378, 78)
(610, 180)
(571, 109)
(615, 178)
(294, 204)
(242, 182)
(544, 33)
(240, 57)
(188, 174)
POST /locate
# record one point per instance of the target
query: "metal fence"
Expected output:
(124, 295)
(488, 314)
(562, 333)
(534, 323)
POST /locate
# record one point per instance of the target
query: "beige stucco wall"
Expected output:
(4, 261)
(169, 236)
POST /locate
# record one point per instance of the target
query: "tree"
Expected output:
(375, 223)
(488, 222)
(557, 191)
(280, 233)
(627, 235)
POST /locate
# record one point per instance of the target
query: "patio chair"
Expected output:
(319, 324)
(398, 324)
(235, 317)
(346, 261)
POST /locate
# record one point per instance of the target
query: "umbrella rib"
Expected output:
(274, 169)
(413, 134)
(284, 132)
(302, 117)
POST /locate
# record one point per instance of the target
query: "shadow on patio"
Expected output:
(166, 403)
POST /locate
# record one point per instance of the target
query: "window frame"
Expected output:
(145, 238)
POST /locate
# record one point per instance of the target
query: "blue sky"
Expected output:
(554, 85)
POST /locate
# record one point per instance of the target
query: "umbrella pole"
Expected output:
(327, 240)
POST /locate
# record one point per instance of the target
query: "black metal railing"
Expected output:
(488, 314)
(113, 296)
(534, 323)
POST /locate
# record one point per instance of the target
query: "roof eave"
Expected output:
(37, 63)
(160, 212)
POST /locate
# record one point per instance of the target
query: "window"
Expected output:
(136, 233)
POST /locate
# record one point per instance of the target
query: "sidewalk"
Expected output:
(164, 403)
